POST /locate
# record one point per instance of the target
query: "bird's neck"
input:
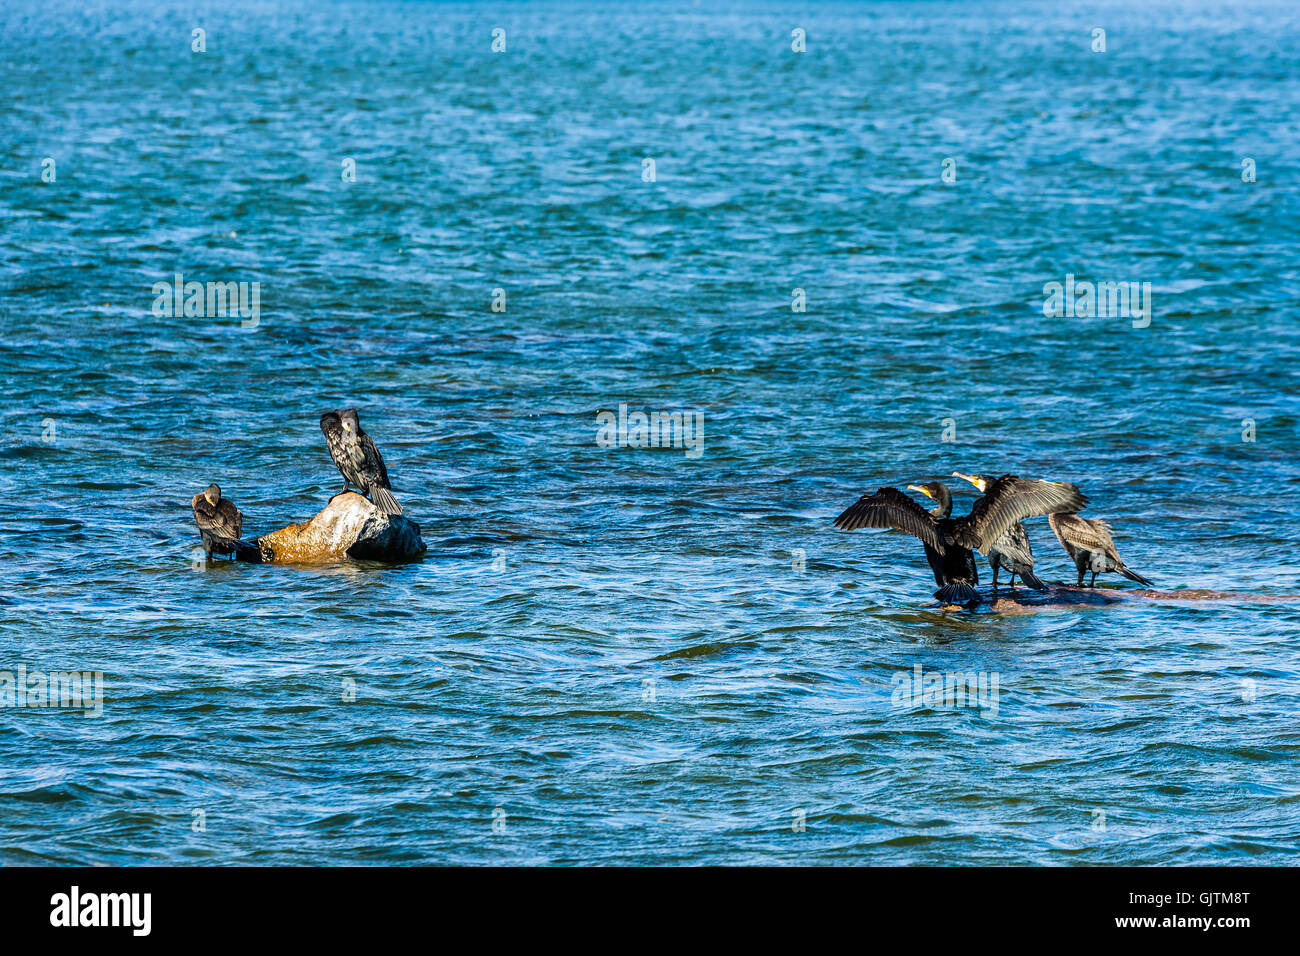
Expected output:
(944, 507)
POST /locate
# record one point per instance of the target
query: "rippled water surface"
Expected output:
(623, 655)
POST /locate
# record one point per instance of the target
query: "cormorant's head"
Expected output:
(212, 493)
(933, 490)
(981, 482)
(937, 492)
(349, 422)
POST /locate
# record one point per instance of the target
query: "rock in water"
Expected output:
(349, 527)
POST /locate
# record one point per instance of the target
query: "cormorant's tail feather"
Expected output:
(1032, 581)
(1134, 576)
(957, 593)
(384, 501)
(241, 549)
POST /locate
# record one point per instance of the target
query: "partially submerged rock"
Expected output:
(1024, 600)
(349, 527)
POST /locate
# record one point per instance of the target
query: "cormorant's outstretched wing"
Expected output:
(1011, 499)
(890, 508)
(374, 461)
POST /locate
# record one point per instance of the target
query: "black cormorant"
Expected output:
(1011, 551)
(1090, 545)
(948, 541)
(358, 459)
(953, 566)
(220, 524)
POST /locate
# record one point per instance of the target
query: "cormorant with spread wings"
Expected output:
(1011, 551)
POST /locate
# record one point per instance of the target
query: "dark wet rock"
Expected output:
(1024, 600)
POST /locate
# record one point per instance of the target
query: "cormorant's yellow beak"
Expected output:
(974, 479)
(208, 500)
(924, 491)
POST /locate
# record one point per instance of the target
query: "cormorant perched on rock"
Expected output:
(948, 541)
(953, 566)
(1011, 551)
(1090, 545)
(220, 524)
(358, 459)
(1010, 499)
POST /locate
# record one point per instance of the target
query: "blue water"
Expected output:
(626, 655)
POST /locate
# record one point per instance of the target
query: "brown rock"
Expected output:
(349, 527)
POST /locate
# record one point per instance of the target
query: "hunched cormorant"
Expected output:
(358, 459)
(1011, 551)
(220, 524)
(1090, 545)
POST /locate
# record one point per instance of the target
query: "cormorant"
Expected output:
(358, 459)
(953, 566)
(1011, 551)
(220, 524)
(948, 541)
(1090, 545)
